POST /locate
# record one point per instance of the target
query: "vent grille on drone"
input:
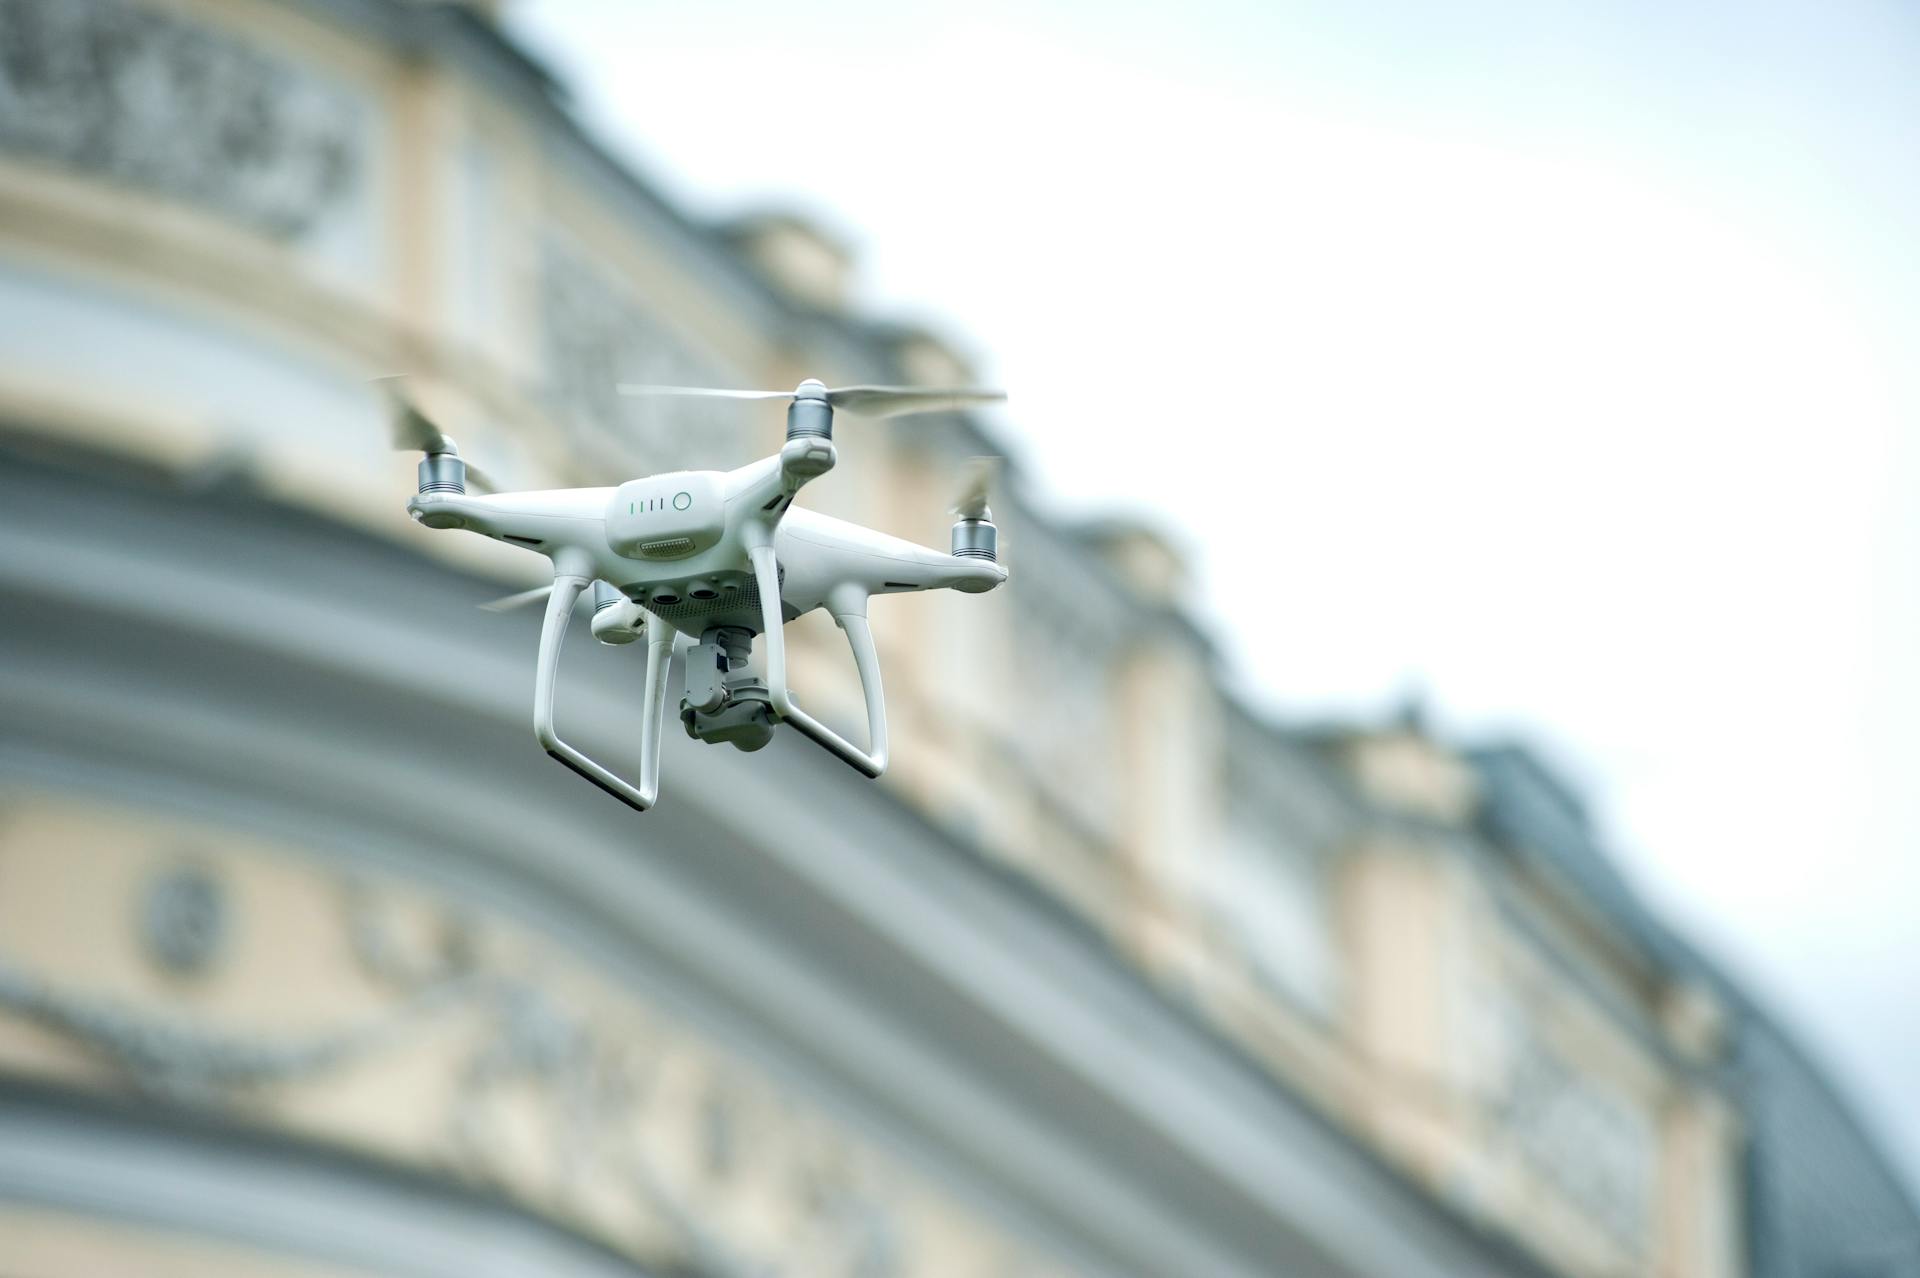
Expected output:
(745, 599)
(667, 548)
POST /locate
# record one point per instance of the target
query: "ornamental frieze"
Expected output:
(156, 101)
(210, 973)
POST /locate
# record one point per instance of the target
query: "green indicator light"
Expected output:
(629, 508)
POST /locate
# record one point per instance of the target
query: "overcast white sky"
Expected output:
(1555, 358)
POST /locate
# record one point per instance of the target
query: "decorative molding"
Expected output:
(154, 100)
(183, 919)
(179, 1059)
(627, 1109)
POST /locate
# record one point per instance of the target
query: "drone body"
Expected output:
(702, 562)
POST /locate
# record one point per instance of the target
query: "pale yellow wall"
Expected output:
(1438, 976)
(1170, 767)
(38, 1243)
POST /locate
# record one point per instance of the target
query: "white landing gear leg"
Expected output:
(851, 615)
(566, 589)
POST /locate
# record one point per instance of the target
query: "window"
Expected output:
(1272, 898)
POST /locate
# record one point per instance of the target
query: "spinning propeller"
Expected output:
(974, 534)
(610, 625)
(812, 403)
(507, 603)
(443, 468)
(978, 477)
(861, 401)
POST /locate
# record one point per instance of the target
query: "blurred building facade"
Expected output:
(311, 963)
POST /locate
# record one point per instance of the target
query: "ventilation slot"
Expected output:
(746, 599)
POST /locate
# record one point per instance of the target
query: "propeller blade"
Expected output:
(639, 391)
(861, 401)
(478, 480)
(978, 478)
(898, 401)
(507, 603)
(411, 429)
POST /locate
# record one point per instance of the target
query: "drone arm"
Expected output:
(851, 616)
(766, 487)
(566, 590)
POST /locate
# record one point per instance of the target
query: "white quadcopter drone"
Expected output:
(701, 561)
